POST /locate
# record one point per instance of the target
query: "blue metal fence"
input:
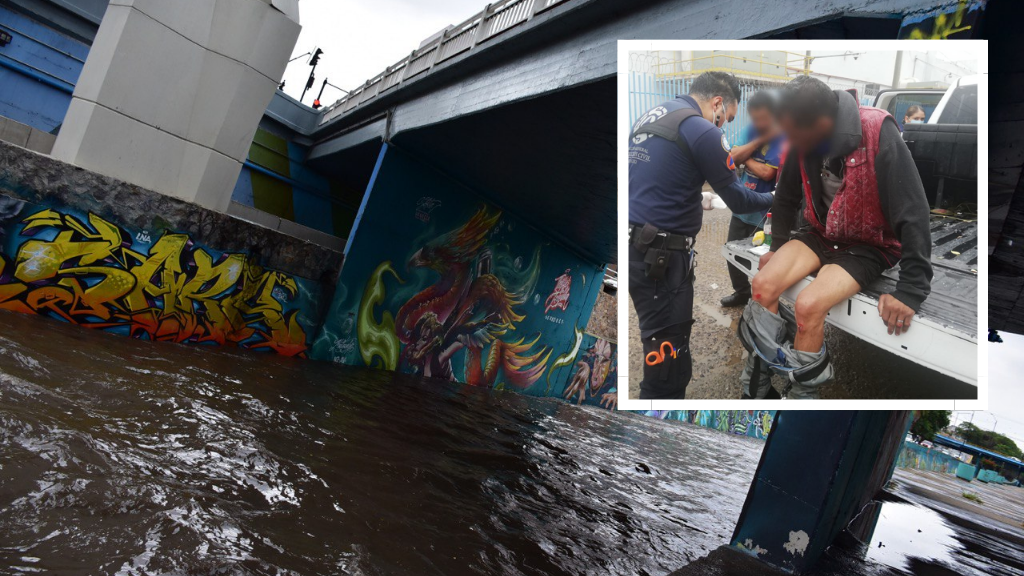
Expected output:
(647, 91)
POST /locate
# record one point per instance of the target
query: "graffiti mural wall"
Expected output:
(150, 284)
(594, 377)
(753, 423)
(438, 282)
(961, 19)
(930, 459)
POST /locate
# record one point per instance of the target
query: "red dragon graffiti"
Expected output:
(467, 308)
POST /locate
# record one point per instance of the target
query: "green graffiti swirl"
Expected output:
(377, 339)
(569, 357)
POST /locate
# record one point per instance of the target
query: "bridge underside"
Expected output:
(496, 117)
(549, 160)
(517, 156)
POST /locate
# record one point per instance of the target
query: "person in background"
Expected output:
(758, 157)
(915, 115)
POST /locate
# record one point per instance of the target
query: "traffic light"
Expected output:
(316, 102)
(312, 78)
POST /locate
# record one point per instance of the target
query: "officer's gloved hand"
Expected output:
(710, 201)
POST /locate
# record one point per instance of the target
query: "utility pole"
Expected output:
(897, 71)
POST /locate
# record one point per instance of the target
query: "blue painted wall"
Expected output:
(38, 71)
(438, 282)
(276, 180)
(931, 459)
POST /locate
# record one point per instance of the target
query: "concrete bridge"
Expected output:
(495, 100)
(492, 101)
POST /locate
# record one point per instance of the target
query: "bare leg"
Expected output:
(792, 263)
(832, 286)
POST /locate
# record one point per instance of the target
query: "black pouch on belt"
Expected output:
(645, 237)
(657, 263)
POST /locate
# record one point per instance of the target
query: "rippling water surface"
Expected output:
(128, 457)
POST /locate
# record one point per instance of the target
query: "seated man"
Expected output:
(866, 211)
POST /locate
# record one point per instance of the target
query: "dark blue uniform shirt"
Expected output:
(665, 184)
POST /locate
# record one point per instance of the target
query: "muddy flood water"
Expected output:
(126, 457)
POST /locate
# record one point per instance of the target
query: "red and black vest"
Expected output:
(855, 216)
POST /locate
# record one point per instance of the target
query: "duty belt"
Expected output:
(660, 240)
(657, 248)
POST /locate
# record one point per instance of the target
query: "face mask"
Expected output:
(915, 121)
(723, 117)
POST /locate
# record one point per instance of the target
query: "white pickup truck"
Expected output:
(945, 149)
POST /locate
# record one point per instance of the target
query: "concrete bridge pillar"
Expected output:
(172, 92)
(818, 472)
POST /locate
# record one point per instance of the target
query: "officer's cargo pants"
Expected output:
(665, 310)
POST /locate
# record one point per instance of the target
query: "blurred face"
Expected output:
(915, 118)
(762, 120)
(807, 138)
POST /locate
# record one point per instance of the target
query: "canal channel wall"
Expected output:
(479, 297)
(752, 423)
(930, 459)
(98, 252)
(437, 282)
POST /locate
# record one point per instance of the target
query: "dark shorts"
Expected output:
(864, 263)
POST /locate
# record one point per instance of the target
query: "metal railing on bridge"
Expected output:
(495, 19)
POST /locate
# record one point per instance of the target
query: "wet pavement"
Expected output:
(1001, 503)
(129, 457)
(916, 533)
(863, 370)
(932, 529)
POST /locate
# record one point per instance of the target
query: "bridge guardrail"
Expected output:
(495, 19)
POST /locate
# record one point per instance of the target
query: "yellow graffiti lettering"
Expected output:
(944, 26)
(88, 275)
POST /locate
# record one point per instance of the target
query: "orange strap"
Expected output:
(658, 356)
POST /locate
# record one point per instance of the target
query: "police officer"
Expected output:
(673, 149)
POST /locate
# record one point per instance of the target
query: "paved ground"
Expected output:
(999, 502)
(863, 370)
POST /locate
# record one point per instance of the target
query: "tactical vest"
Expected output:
(666, 127)
(855, 216)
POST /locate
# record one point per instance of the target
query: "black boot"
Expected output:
(735, 300)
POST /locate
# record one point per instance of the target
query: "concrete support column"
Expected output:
(818, 472)
(172, 92)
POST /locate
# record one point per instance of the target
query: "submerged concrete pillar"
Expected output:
(172, 92)
(818, 471)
